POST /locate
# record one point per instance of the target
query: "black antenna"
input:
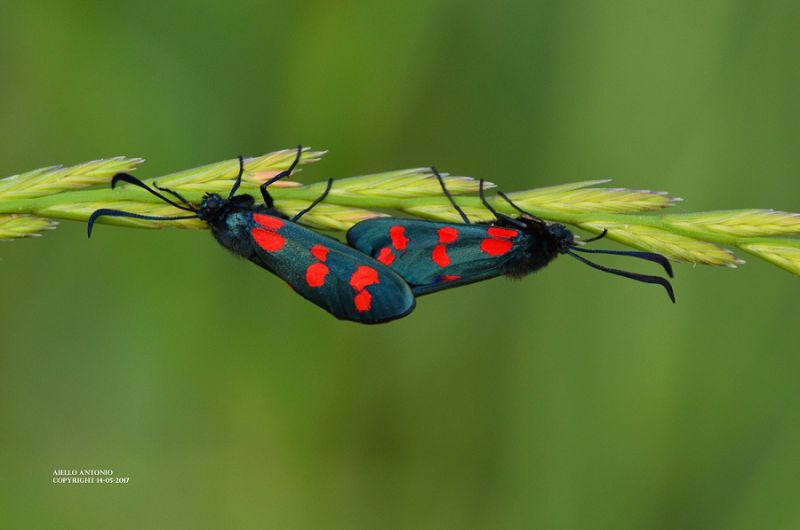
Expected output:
(649, 256)
(632, 275)
(450, 197)
(119, 213)
(130, 179)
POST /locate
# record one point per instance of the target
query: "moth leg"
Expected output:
(264, 193)
(238, 181)
(520, 210)
(318, 200)
(498, 215)
(511, 220)
(450, 197)
(174, 194)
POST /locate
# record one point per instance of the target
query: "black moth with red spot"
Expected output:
(339, 279)
(432, 256)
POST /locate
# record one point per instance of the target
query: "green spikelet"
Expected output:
(405, 184)
(16, 226)
(219, 177)
(581, 198)
(785, 253)
(743, 223)
(674, 246)
(55, 179)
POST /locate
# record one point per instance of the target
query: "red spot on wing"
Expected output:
(315, 274)
(496, 247)
(320, 252)
(363, 277)
(268, 221)
(363, 301)
(505, 233)
(440, 256)
(398, 235)
(450, 277)
(268, 240)
(386, 256)
(447, 234)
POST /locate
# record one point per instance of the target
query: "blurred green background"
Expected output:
(569, 400)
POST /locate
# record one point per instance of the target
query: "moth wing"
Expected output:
(339, 279)
(429, 255)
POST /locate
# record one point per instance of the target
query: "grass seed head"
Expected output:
(15, 226)
(55, 179)
(405, 184)
(742, 223)
(674, 246)
(220, 176)
(783, 253)
(578, 198)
